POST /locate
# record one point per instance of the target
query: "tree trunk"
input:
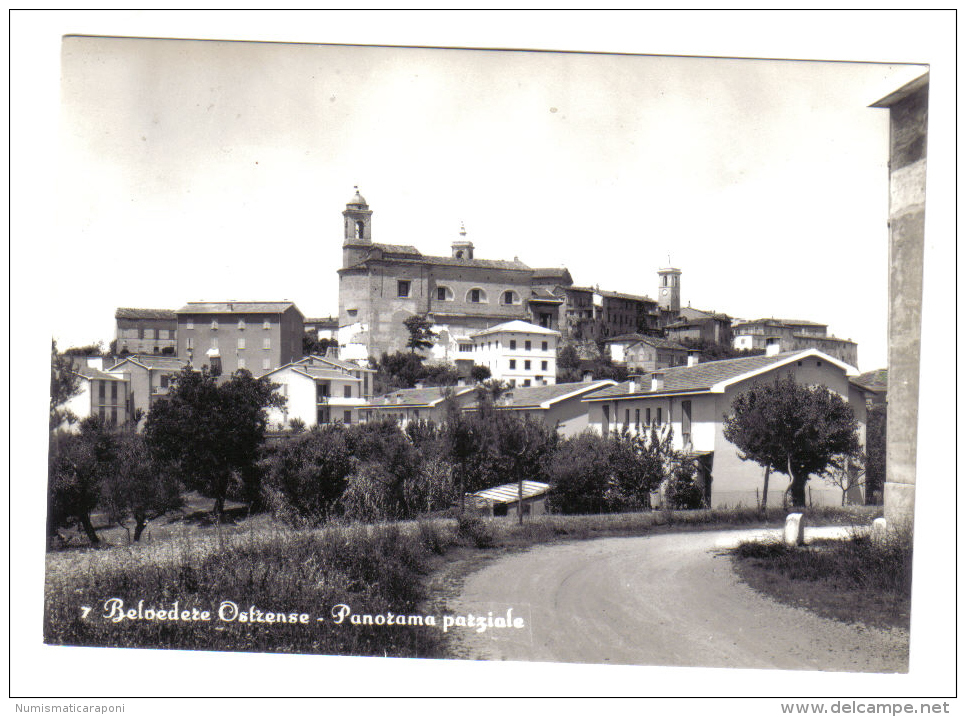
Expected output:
(798, 487)
(219, 509)
(764, 495)
(89, 529)
(139, 522)
(520, 511)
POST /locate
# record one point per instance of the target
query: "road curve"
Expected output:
(669, 599)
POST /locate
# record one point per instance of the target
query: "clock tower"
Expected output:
(669, 289)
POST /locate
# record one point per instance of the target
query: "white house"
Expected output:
(519, 353)
(693, 400)
(315, 395)
(363, 373)
(416, 404)
(100, 394)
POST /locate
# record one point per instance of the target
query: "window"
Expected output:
(113, 392)
(214, 342)
(149, 333)
(647, 417)
(543, 365)
(267, 342)
(510, 297)
(526, 345)
(241, 342)
(513, 363)
(513, 345)
(476, 296)
(241, 324)
(637, 418)
(266, 324)
(443, 293)
(241, 362)
(347, 416)
(322, 390)
(466, 347)
(627, 417)
(605, 419)
(526, 365)
(190, 324)
(526, 382)
(659, 415)
(266, 364)
(114, 416)
(402, 289)
(164, 380)
(543, 346)
(189, 343)
(347, 392)
(214, 324)
(513, 382)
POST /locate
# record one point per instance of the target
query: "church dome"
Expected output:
(358, 199)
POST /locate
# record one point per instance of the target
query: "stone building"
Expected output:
(908, 118)
(381, 285)
(793, 335)
(146, 331)
(228, 335)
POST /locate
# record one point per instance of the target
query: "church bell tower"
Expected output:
(357, 219)
(669, 289)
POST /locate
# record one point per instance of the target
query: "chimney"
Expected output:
(772, 346)
(693, 358)
(637, 383)
(588, 377)
(657, 381)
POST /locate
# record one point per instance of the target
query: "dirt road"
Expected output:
(658, 600)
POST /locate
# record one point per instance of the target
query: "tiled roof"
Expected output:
(90, 373)
(405, 253)
(524, 396)
(660, 343)
(236, 307)
(628, 297)
(585, 289)
(326, 373)
(128, 313)
(510, 492)
(689, 312)
(519, 326)
(545, 295)
(153, 361)
(410, 397)
(810, 337)
(330, 322)
(398, 249)
(700, 377)
(552, 272)
(781, 322)
(347, 365)
(877, 380)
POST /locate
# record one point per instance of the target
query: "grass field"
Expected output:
(259, 566)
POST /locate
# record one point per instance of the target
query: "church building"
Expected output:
(382, 285)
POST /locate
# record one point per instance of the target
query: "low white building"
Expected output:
(315, 395)
(99, 394)
(416, 404)
(518, 353)
(365, 374)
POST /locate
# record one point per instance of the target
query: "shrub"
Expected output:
(474, 530)
(579, 475)
(682, 492)
(431, 538)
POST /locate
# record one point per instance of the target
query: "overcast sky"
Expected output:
(219, 170)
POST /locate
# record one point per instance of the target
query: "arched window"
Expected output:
(360, 229)
(510, 297)
(444, 293)
(476, 296)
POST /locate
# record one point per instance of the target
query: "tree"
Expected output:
(639, 464)
(580, 473)
(136, 485)
(209, 434)
(524, 447)
(312, 346)
(89, 350)
(480, 373)
(792, 429)
(846, 473)
(421, 335)
(78, 466)
(64, 385)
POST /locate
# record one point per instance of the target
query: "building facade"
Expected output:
(793, 335)
(148, 377)
(416, 404)
(518, 353)
(646, 353)
(146, 331)
(315, 395)
(230, 335)
(691, 402)
(100, 394)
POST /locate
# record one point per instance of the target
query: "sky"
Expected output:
(219, 170)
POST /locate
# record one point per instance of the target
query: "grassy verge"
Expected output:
(401, 568)
(858, 579)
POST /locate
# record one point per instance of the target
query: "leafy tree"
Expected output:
(480, 373)
(136, 485)
(209, 434)
(398, 370)
(312, 345)
(78, 466)
(64, 385)
(580, 474)
(421, 335)
(389, 464)
(305, 478)
(875, 447)
(792, 429)
(639, 464)
(683, 493)
(524, 447)
(467, 439)
(846, 473)
(568, 358)
(89, 350)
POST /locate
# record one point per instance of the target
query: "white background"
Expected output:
(36, 306)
